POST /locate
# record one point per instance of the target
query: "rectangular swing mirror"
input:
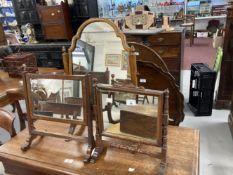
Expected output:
(63, 99)
(57, 99)
(143, 119)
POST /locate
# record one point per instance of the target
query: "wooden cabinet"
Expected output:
(83, 10)
(169, 45)
(225, 87)
(25, 12)
(2, 36)
(56, 21)
(47, 54)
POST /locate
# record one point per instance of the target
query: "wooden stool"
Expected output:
(189, 22)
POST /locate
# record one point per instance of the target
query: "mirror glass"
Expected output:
(99, 48)
(137, 115)
(57, 98)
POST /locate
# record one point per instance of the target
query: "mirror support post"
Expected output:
(133, 66)
(65, 59)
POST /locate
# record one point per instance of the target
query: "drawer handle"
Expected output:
(58, 11)
(161, 51)
(52, 14)
(160, 40)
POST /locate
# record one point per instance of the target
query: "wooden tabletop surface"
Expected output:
(50, 155)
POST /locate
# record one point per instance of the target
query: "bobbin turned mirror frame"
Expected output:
(130, 134)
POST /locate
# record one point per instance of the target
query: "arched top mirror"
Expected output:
(99, 45)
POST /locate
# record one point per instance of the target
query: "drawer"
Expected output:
(50, 14)
(156, 40)
(54, 31)
(172, 64)
(133, 38)
(167, 51)
(165, 39)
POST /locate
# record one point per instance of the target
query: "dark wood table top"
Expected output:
(49, 155)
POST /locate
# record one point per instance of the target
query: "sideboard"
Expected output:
(169, 45)
(47, 54)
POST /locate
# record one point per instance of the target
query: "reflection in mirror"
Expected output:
(83, 57)
(137, 115)
(56, 98)
(99, 48)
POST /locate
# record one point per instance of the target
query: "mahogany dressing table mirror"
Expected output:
(99, 45)
(56, 98)
(143, 124)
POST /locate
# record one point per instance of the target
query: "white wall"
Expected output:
(106, 43)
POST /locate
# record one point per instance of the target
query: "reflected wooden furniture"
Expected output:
(182, 156)
(168, 45)
(223, 98)
(7, 122)
(11, 91)
(158, 115)
(80, 101)
(158, 77)
(2, 36)
(102, 25)
(189, 22)
(56, 21)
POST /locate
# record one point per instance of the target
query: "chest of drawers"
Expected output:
(56, 21)
(169, 45)
(2, 36)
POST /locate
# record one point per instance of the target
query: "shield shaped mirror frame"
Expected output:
(132, 68)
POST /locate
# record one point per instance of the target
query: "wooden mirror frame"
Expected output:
(67, 57)
(87, 120)
(149, 59)
(162, 122)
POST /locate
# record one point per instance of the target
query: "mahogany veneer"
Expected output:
(55, 156)
(169, 45)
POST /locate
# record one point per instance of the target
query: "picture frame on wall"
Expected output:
(113, 60)
(124, 60)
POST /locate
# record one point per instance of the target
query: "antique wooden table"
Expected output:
(49, 155)
(11, 91)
